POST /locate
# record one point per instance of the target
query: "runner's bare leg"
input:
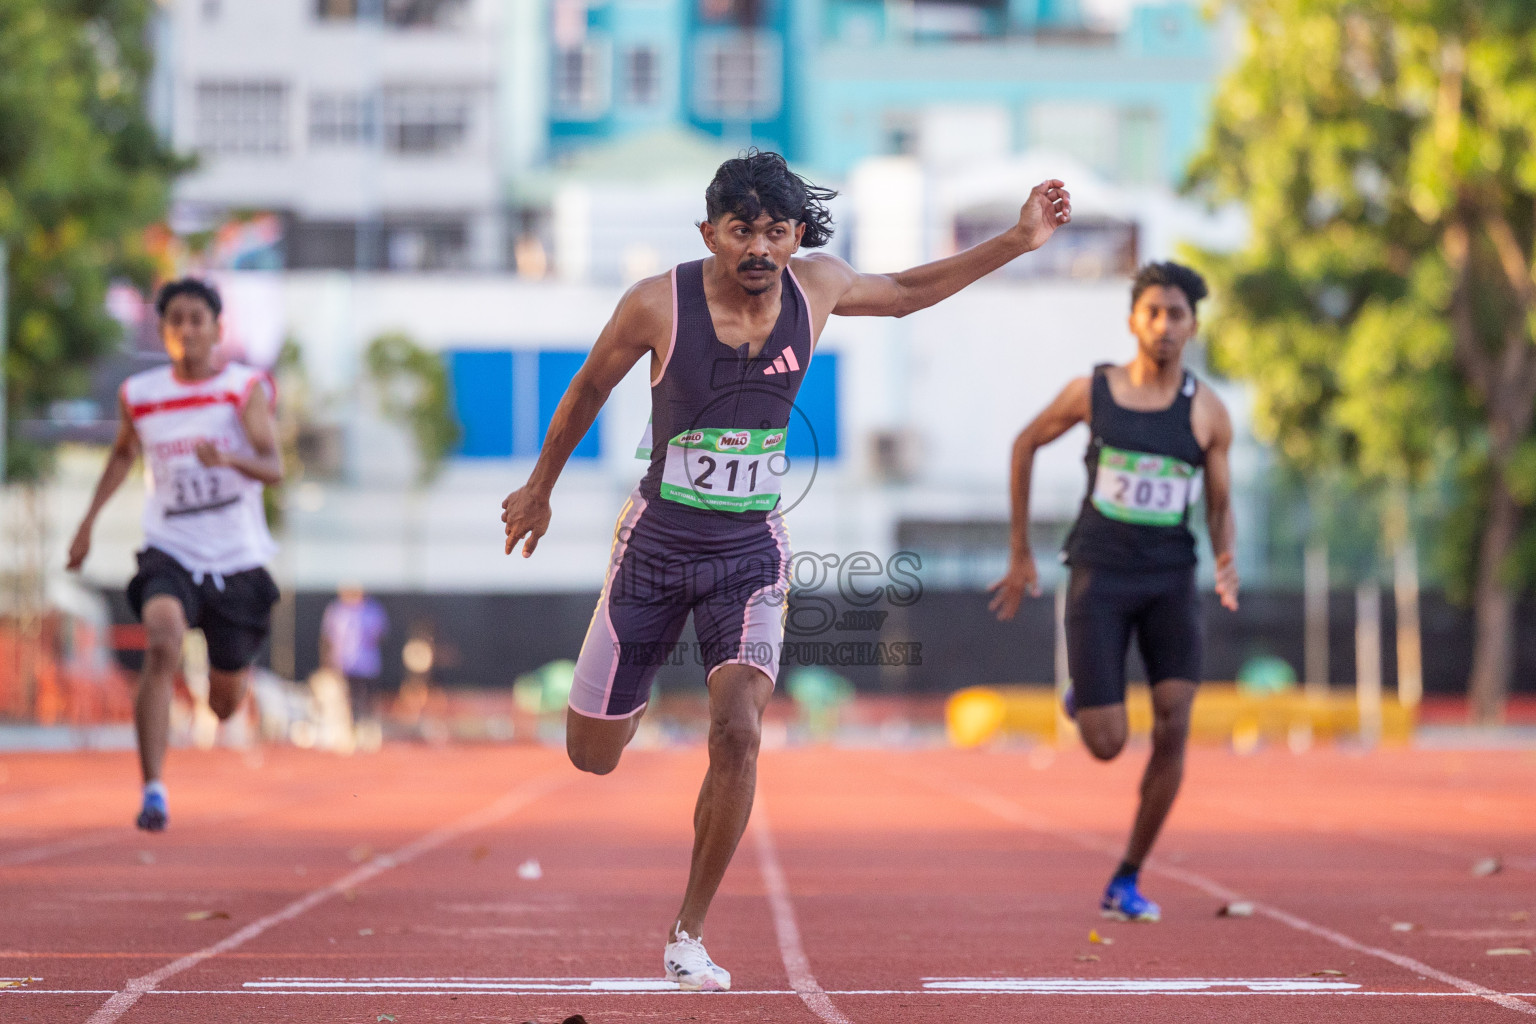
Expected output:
(164, 624)
(737, 696)
(1172, 700)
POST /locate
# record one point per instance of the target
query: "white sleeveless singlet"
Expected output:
(210, 519)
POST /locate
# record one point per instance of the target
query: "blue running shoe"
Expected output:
(1123, 902)
(1069, 702)
(153, 817)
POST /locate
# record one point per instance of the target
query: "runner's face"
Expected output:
(189, 330)
(755, 251)
(1163, 323)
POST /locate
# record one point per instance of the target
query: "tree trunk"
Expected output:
(1493, 644)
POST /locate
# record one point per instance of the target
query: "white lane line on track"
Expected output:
(675, 992)
(131, 993)
(16, 858)
(1010, 810)
(796, 965)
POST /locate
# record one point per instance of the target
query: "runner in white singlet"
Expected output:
(209, 448)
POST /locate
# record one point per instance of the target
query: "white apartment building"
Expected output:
(379, 131)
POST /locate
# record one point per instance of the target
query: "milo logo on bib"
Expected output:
(733, 442)
(1143, 489)
(725, 470)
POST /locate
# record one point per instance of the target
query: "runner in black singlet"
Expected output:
(728, 339)
(1154, 429)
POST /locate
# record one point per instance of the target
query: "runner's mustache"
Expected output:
(747, 265)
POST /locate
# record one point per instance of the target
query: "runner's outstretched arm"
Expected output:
(1048, 207)
(266, 465)
(1218, 504)
(125, 450)
(1068, 409)
(643, 315)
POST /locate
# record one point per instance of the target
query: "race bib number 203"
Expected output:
(1147, 490)
(725, 470)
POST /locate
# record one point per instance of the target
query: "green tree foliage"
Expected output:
(82, 174)
(413, 388)
(1385, 308)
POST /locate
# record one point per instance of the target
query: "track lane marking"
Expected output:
(136, 988)
(796, 964)
(1010, 810)
(674, 992)
(1466, 856)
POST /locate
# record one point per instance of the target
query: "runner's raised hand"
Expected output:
(1048, 207)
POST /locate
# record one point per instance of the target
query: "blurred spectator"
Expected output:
(350, 632)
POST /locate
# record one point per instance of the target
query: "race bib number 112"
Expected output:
(725, 470)
(1147, 490)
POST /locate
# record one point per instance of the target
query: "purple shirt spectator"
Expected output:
(351, 629)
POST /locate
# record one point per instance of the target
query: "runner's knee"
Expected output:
(595, 747)
(733, 741)
(594, 761)
(225, 696)
(1104, 740)
(164, 627)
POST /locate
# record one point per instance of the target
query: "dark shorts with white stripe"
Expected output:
(735, 586)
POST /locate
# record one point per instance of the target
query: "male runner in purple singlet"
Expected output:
(728, 339)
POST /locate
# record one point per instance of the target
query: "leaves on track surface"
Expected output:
(207, 915)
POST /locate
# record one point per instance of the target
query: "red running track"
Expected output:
(917, 886)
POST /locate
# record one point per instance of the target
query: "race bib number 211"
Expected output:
(725, 470)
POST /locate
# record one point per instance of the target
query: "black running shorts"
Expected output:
(235, 617)
(1104, 607)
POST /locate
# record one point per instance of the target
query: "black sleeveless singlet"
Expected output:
(1137, 537)
(706, 385)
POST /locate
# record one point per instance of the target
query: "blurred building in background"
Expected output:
(488, 176)
(374, 132)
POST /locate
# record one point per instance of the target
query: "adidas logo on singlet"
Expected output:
(786, 363)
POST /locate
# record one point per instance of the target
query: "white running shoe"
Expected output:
(689, 965)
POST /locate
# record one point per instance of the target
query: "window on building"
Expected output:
(813, 426)
(1096, 247)
(738, 76)
(424, 13)
(422, 119)
(505, 401)
(399, 13)
(581, 80)
(642, 76)
(342, 119)
(244, 117)
(1141, 146)
(426, 244)
(1083, 129)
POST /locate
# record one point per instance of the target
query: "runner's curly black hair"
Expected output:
(759, 182)
(189, 286)
(1170, 275)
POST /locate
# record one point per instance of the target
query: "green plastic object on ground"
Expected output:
(820, 694)
(1266, 673)
(546, 689)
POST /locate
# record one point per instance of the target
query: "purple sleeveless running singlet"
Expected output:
(702, 533)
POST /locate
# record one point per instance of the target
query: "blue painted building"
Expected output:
(830, 82)
(958, 82)
(725, 68)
